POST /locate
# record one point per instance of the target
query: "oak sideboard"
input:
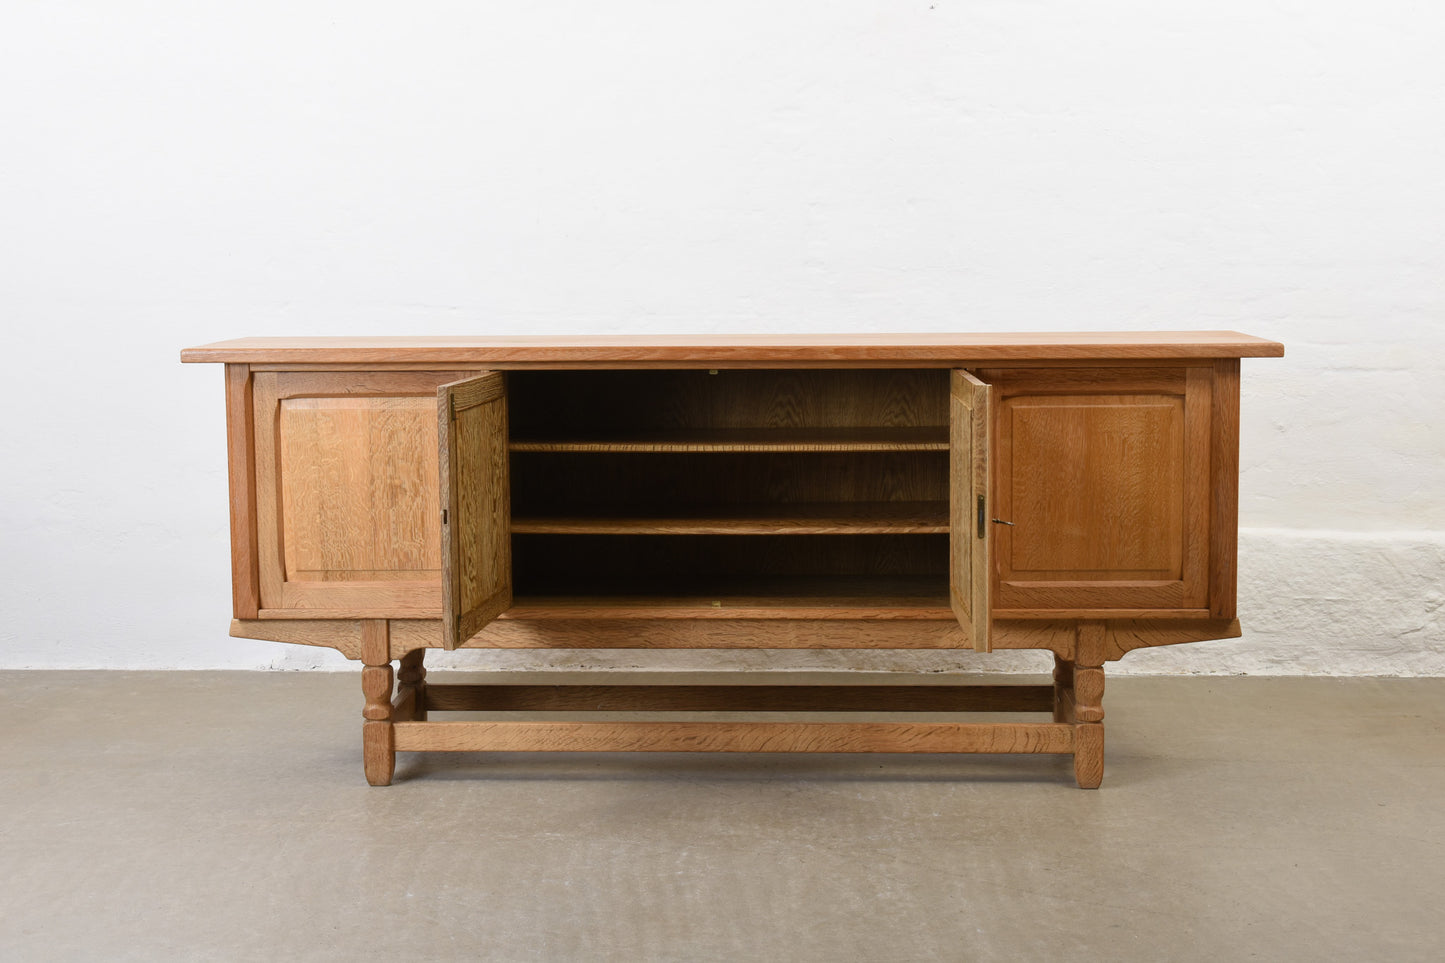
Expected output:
(1073, 492)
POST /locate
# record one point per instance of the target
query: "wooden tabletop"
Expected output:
(742, 348)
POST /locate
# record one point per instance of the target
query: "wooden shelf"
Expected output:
(791, 597)
(833, 518)
(927, 438)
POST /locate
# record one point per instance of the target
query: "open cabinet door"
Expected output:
(476, 505)
(969, 567)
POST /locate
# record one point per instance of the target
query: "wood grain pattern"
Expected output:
(475, 494)
(266, 401)
(939, 737)
(1224, 490)
(729, 633)
(1126, 635)
(411, 682)
(1086, 702)
(1093, 613)
(1089, 693)
(376, 642)
(361, 598)
(241, 477)
(742, 698)
(346, 507)
(942, 632)
(1066, 710)
(721, 606)
(943, 349)
(342, 635)
(970, 570)
(1089, 755)
(1105, 474)
(358, 476)
(1111, 470)
(378, 751)
(1062, 690)
(403, 707)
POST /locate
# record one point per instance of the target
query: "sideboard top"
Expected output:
(742, 348)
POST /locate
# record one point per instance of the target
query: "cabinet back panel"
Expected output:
(544, 564)
(554, 483)
(547, 403)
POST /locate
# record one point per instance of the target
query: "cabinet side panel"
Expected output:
(241, 471)
(1224, 482)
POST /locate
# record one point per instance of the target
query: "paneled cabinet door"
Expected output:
(476, 513)
(346, 493)
(969, 540)
(1105, 475)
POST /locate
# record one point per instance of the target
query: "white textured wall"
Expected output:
(174, 173)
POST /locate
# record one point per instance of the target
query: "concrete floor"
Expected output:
(223, 816)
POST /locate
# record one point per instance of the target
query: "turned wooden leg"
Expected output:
(1088, 699)
(378, 752)
(1063, 685)
(412, 676)
(1089, 726)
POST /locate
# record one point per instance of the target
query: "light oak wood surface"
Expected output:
(940, 737)
(346, 517)
(943, 632)
(742, 698)
(241, 478)
(944, 348)
(1105, 473)
(392, 495)
(475, 495)
(970, 571)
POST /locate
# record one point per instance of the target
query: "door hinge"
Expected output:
(982, 518)
(444, 516)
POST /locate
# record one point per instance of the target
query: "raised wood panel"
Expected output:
(358, 475)
(241, 475)
(1105, 474)
(475, 493)
(1096, 485)
(970, 538)
(347, 514)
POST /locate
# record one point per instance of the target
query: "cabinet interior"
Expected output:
(730, 489)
